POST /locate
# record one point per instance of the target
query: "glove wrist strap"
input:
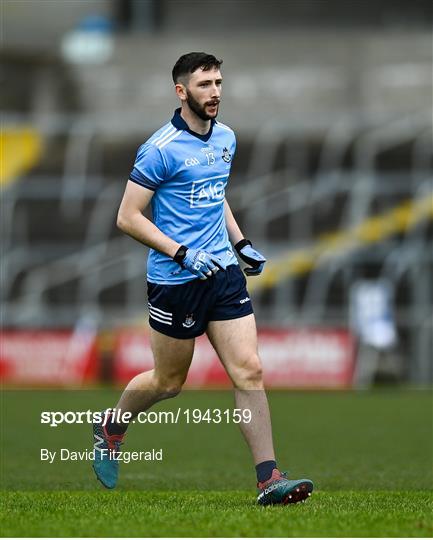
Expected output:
(180, 255)
(242, 243)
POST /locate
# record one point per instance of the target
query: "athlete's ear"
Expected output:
(180, 91)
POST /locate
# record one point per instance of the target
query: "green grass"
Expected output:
(231, 513)
(369, 454)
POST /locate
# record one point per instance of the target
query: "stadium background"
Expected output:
(331, 102)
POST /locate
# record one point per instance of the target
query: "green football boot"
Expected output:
(106, 448)
(280, 490)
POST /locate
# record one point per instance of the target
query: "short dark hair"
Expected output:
(188, 63)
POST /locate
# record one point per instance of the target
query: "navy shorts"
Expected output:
(183, 311)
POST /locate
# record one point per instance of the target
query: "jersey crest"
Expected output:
(227, 157)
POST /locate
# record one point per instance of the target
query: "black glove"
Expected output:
(250, 256)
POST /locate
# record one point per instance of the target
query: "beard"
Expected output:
(198, 109)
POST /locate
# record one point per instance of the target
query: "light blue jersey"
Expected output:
(188, 173)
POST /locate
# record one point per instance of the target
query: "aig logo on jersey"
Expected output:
(208, 192)
(190, 162)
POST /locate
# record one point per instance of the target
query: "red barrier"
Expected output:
(291, 358)
(48, 357)
(307, 358)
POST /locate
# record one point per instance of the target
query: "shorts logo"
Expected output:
(189, 321)
(208, 192)
(245, 300)
(227, 157)
(190, 162)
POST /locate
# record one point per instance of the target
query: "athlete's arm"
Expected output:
(233, 229)
(131, 221)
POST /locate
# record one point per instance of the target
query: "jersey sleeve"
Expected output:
(149, 168)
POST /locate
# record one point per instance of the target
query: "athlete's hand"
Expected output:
(198, 262)
(250, 256)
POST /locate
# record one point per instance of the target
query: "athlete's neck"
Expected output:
(195, 123)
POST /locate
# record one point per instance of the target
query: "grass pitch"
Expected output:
(370, 455)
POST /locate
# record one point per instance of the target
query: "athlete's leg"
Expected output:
(172, 360)
(235, 342)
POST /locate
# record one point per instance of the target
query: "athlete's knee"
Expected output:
(248, 375)
(167, 388)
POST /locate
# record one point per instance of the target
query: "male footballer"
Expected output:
(195, 284)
